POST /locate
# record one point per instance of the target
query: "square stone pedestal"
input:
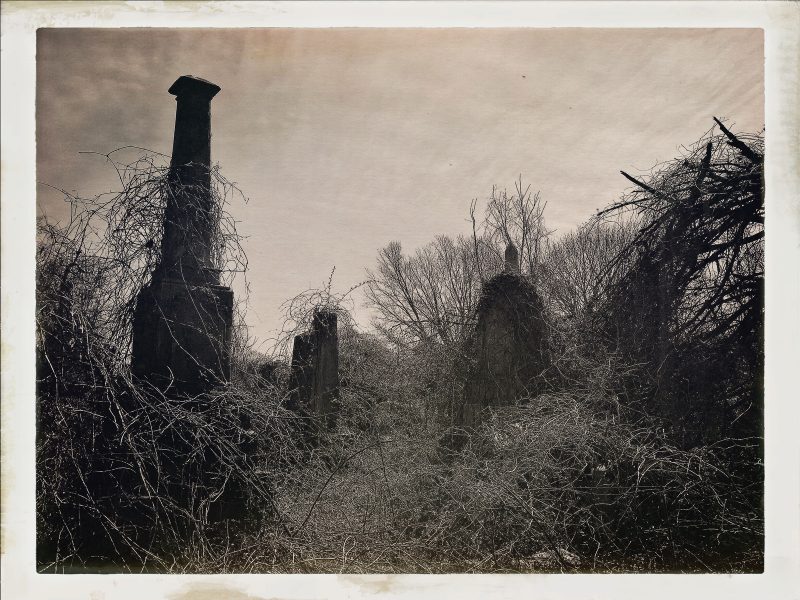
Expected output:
(182, 335)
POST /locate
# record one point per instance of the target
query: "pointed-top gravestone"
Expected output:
(509, 346)
(512, 258)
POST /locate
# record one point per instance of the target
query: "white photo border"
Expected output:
(781, 24)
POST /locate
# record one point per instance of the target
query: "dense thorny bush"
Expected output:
(561, 482)
(564, 476)
(130, 477)
(692, 301)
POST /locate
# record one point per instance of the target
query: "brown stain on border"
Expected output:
(217, 591)
(372, 584)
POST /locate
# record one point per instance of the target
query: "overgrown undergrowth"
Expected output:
(630, 458)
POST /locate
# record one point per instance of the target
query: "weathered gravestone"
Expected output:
(508, 348)
(301, 376)
(183, 318)
(314, 379)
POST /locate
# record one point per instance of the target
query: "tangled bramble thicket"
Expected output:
(117, 459)
(628, 459)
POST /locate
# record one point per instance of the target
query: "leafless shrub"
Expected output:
(691, 302)
(565, 482)
(565, 479)
(299, 311)
(132, 479)
(110, 245)
(579, 269)
(129, 477)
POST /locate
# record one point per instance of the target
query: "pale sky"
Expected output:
(346, 139)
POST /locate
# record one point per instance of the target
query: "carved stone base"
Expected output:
(181, 335)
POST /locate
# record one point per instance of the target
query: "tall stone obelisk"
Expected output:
(183, 318)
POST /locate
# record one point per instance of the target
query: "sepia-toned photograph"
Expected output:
(446, 300)
(400, 300)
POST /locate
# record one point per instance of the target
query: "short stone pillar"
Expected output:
(325, 391)
(301, 376)
(315, 367)
(183, 319)
(508, 348)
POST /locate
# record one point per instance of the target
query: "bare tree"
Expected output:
(579, 268)
(430, 296)
(510, 217)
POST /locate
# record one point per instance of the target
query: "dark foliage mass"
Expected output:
(692, 302)
(634, 445)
